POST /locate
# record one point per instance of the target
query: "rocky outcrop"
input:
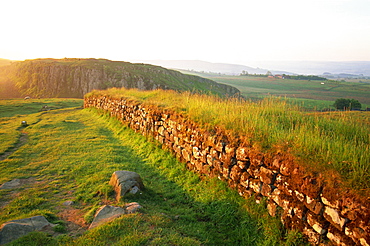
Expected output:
(76, 77)
(14, 229)
(317, 208)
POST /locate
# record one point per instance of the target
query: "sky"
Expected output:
(233, 31)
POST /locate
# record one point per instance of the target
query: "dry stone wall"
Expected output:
(304, 202)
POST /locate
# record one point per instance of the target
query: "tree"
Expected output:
(355, 104)
(244, 73)
(347, 104)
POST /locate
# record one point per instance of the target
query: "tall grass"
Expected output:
(321, 141)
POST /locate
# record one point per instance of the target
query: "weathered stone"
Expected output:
(312, 235)
(316, 223)
(266, 189)
(126, 181)
(132, 207)
(197, 153)
(105, 214)
(243, 164)
(272, 208)
(244, 179)
(11, 184)
(338, 238)
(242, 154)
(14, 229)
(300, 196)
(68, 203)
(276, 196)
(185, 154)
(235, 173)
(266, 175)
(332, 215)
(357, 233)
(255, 185)
(314, 205)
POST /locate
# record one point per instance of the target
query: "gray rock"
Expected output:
(11, 184)
(126, 181)
(105, 214)
(14, 229)
(68, 203)
(132, 207)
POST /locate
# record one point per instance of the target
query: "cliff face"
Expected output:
(76, 77)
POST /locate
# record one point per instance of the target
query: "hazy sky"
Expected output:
(233, 31)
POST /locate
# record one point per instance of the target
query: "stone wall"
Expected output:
(305, 202)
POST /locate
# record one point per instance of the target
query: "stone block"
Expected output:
(333, 216)
(314, 205)
(266, 175)
(317, 223)
(125, 181)
(272, 208)
(242, 154)
(235, 173)
(338, 238)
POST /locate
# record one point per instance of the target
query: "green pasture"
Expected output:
(251, 86)
(70, 154)
(310, 94)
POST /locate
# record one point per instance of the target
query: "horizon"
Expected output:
(259, 67)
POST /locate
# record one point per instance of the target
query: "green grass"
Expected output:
(310, 94)
(323, 143)
(70, 155)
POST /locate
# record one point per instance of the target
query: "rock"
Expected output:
(332, 215)
(108, 213)
(126, 181)
(14, 229)
(132, 207)
(11, 184)
(68, 203)
(105, 214)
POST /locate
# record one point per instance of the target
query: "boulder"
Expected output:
(105, 214)
(14, 229)
(124, 182)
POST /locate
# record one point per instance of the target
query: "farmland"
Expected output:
(310, 94)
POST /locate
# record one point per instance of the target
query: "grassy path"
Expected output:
(71, 154)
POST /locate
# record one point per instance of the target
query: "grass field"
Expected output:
(311, 95)
(70, 154)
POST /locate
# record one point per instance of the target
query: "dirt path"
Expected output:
(22, 140)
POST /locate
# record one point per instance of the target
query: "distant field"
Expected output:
(320, 95)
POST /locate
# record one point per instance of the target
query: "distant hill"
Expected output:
(76, 77)
(275, 67)
(319, 67)
(209, 67)
(4, 62)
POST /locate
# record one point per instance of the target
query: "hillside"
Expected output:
(4, 62)
(76, 77)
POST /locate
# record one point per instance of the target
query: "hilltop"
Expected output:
(72, 77)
